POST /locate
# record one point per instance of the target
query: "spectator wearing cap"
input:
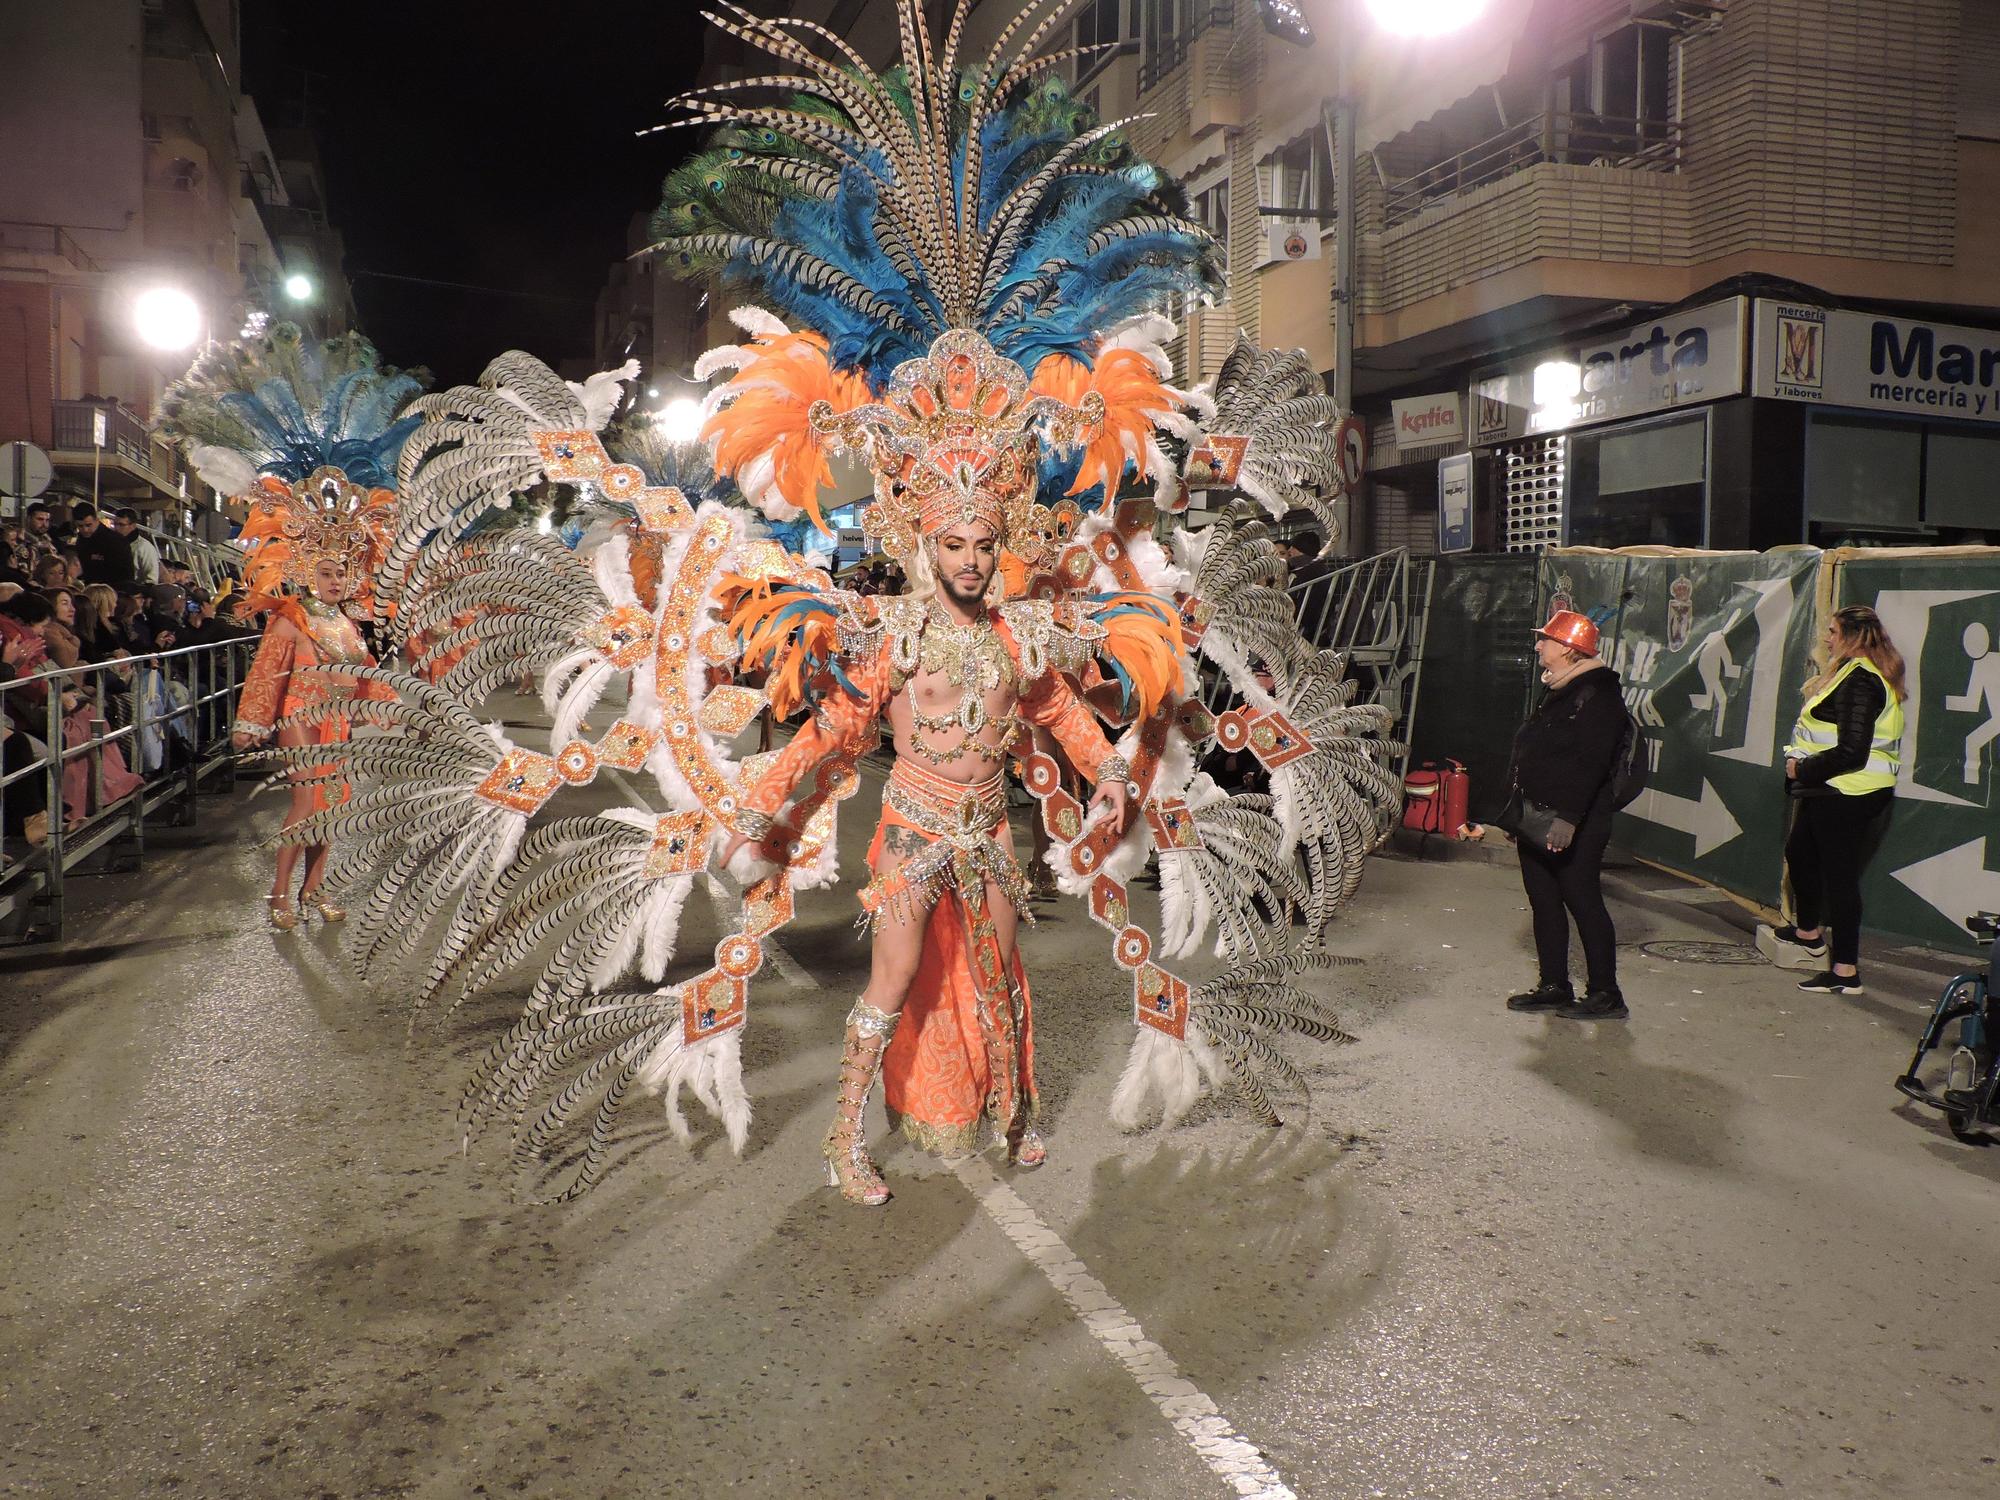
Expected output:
(145, 556)
(106, 556)
(1564, 759)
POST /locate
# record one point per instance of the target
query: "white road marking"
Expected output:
(1194, 1416)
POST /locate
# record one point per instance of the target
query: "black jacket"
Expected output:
(1852, 708)
(107, 557)
(1563, 754)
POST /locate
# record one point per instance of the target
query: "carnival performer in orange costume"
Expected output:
(951, 678)
(301, 635)
(307, 435)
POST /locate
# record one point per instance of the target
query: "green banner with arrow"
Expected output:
(1713, 651)
(1935, 865)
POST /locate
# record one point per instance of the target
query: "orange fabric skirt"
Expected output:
(964, 1052)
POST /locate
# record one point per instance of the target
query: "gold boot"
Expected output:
(848, 1166)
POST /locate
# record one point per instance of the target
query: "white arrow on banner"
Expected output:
(1956, 882)
(1772, 613)
(1708, 819)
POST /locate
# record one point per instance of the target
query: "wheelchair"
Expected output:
(1967, 1088)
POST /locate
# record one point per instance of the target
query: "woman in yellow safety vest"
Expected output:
(1840, 768)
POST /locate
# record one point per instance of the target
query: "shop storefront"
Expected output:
(1898, 422)
(1747, 423)
(1611, 442)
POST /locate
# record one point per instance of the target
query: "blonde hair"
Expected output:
(1866, 639)
(103, 599)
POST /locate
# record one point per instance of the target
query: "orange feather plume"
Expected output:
(770, 417)
(1134, 400)
(785, 649)
(1142, 636)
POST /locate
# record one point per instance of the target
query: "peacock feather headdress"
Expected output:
(308, 433)
(953, 197)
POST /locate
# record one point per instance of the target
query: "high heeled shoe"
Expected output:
(1030, 1151)
(328, 912)
(283, 917)
(848, 1165)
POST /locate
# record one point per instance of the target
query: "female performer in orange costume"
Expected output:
(308, 435)
(300, 635)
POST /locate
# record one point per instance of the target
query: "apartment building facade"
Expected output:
(132, 160)
(1689, 272)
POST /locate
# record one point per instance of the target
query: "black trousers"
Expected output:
(1831, 840)
(1566, 885)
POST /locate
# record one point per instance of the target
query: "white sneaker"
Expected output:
(1781, 946)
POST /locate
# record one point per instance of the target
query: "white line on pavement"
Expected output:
(1193, 1415)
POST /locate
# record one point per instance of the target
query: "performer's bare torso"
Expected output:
(929, 697)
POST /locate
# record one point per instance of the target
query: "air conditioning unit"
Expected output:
(1289, 240)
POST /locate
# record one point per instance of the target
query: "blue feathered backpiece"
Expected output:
(287, 406)
(951, 192)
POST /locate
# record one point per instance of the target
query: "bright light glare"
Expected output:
(653, 391)
(167, 318)
(544, 523)
(1425, 17)
(1557, 383)
(298, 286)
(679, 420)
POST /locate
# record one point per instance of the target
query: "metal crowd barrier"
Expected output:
(110, 835)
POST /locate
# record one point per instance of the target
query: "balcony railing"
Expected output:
(1162, 54)
(1568, 138)
(124, 433)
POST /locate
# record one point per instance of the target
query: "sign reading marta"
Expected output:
(1876, 363)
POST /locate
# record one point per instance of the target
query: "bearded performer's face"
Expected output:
(964, 558)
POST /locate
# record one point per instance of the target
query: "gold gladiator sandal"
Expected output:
(328, 912)
(848, 1166)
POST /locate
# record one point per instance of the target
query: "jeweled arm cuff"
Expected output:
(1113, 768)
(250, 727)
(754, 825)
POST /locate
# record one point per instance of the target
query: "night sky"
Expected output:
(490, 144)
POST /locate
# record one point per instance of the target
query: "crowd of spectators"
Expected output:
(84, 590)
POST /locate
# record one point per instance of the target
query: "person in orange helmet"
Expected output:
(1564, 756)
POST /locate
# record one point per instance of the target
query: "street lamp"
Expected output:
(299, 286)
(1424, 17)
(167, 318)
(1338, 118)
(679, 421)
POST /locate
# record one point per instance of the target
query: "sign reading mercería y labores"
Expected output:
(1835, 357)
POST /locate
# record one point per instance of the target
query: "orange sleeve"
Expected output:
(1051, 704)
(840, 725)
(261, 702)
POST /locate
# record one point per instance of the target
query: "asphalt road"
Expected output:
(1700, 1254)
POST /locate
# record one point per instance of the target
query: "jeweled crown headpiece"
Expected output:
(950, 257)
(293, 528)
(954, 441)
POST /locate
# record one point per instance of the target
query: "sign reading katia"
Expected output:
(1683, 359)
(1429, 419)
(1855, 359)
